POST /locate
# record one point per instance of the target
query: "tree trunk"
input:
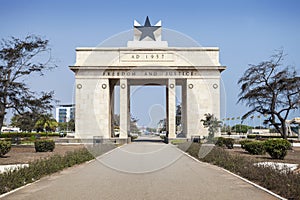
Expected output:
(284, 130)
(2, 115)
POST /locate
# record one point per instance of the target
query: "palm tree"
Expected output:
(212, 123)
(46, 123)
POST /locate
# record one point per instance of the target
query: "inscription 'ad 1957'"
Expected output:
(146, 57)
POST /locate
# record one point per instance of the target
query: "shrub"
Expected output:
(243, 142)
(218, 156)
(5, 147)
(133, 137)
(27, 135)
(219, 141)
(251, 136)
(255, 148)
(44, 145)
(228, 142)
(277, 148)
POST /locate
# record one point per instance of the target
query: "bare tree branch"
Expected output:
(270, 89)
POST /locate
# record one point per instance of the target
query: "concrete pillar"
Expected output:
(199, 102)
(112, 84)
(171, 108)
(112, 110)
(184, 107)
(128, 106)
(124, 108)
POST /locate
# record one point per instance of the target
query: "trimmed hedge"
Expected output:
(255, 148)
(277, 148)
(5, 147)
(44, 145)
(228, 142)
(27, 135)
(243, 142)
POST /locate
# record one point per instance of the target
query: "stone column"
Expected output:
(112, 84)
(112, 107)
(171, 108)
(124, 109)
(184, 107)
(128, 107)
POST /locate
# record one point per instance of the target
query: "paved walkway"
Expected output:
(141, 171)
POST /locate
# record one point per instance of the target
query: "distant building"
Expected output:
(65, 113)
(9, 129)
(259, 131)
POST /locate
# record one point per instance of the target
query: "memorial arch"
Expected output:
(146, 60)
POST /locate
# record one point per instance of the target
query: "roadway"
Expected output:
(141, 170)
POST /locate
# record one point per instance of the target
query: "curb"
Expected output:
(243, 179)
(17, 189)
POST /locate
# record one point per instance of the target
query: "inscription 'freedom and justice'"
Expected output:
(149, 73)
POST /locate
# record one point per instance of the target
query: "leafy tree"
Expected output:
(213, 125)
(240, 128)
(46, 123)
(271, 90)
(71, 125)
(163, 124)
(18, 60)
(225, 128)
(64, 126)
(149, 129)
(116, 121)
(178, 115)
(25, 122)
(133, 125)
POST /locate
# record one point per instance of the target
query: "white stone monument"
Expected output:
(147, 60)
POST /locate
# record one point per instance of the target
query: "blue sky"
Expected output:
(246, 32)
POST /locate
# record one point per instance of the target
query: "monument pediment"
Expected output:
(172, 57)
(147, 48)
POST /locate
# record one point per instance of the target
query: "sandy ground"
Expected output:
(293, 156)
(26, 154)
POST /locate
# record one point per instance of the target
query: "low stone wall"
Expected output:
(96, 140)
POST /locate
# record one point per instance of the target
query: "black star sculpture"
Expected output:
(147, 30)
